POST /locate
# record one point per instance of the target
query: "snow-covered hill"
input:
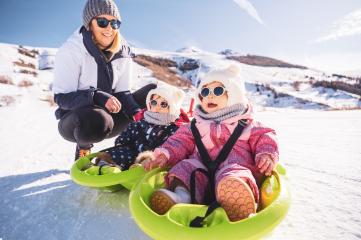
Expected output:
(320, 150)
(267, 86)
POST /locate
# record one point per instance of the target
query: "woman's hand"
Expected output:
(160, 161)
(113, 105)
(265, 164)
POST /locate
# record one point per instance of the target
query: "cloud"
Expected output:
(349, 25)
(250, 9)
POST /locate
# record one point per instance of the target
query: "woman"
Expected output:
(92, 79)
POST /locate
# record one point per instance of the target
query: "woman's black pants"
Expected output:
(92, 124)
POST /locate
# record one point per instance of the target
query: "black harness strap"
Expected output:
(143, 136)
(198, 221)
(212, 166)
(157, 142)
(166, 132)
(193, 183)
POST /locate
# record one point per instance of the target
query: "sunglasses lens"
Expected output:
(153, 103)
(218, 91)
(164, 104)
(205, 92)
(115, 24)
(102, 22)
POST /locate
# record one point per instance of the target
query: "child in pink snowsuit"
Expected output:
(222, 104)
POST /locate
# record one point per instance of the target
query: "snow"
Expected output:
(320, 150)
(354, 73)
(322, 154)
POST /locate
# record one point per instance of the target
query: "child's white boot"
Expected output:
(163, 199)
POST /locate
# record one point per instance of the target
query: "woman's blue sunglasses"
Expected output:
(103, 23)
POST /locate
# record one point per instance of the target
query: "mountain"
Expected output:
(258, 60)
(270, 82)
(263, 61)
(279, 84)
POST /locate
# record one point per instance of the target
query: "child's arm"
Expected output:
(177, 147)
(264, 146)
(154, 161)
(265, 164)
(171, 131)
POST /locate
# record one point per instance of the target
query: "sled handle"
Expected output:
(190, 111)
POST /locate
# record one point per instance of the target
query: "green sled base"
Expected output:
(274, 205)
(112, 179)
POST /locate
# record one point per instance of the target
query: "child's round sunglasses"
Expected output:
(217, 91)
(163, 104)
(103, 23)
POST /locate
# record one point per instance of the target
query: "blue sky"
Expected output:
(325, 34)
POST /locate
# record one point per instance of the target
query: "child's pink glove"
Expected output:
(265, 164)
(159, 161)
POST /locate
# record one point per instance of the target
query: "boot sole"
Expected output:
(161, 202)
(236, 198)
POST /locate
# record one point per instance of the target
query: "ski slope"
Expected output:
(320, 150)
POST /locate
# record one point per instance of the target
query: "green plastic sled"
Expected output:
(112, 178)
(275, 200)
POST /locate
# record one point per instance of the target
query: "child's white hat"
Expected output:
(230, 77)
(172, 95)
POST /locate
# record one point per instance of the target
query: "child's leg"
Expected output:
(177, 182)
(174, 183)
(236, 191)
(122, 156)
(163, 199)
(180, 174)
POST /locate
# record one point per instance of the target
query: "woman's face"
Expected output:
(212, 103)
(104, 37)
(158, 104)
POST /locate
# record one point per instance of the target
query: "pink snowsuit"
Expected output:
(183, 155)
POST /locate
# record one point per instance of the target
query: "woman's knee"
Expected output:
(86, 125)
(121, 122)
(66, 129)
(95, 123)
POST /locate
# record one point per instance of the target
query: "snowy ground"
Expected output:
(320, 150)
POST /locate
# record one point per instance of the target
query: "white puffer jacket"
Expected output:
(75, 69)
